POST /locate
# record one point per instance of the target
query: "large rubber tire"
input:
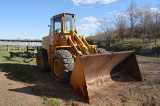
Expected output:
(101, 51)
(62, 66)
(42, 60)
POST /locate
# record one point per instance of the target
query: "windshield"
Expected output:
(69, 23)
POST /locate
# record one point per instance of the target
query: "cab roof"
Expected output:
(60, 15)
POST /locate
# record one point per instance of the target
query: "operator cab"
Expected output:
(62, 23)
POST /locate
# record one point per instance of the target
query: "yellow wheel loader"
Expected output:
(91, 72)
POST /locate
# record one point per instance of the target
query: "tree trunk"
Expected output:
(149, 39)
(122, 37)
(155, 41)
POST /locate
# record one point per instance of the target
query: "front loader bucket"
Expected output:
(96, 76)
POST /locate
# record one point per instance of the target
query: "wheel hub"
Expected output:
(57, 67)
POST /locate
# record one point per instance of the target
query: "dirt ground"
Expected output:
(44, 89)
(147, 93)
(8, 97)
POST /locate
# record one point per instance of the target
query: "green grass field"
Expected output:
(127, 42)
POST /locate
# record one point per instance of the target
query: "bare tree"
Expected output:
(156, 24)
(138, 31)
(106, 28)
(132, 17)
(146, 21)
(120, 23)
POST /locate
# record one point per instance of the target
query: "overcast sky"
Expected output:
(29, 19)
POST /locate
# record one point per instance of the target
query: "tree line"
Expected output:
(134, 22)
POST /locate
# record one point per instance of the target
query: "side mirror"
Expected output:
(49, 25)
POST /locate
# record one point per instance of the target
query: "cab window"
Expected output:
(57, 24)
(69, 22)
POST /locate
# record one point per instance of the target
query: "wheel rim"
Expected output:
(39, 61)
(57, 67)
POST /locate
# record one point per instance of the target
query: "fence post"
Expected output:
(27, 48)
(7, 48)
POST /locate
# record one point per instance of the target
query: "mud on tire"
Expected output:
(42, 60)
(62, 65)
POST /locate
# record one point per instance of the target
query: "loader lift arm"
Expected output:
(85, 48)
